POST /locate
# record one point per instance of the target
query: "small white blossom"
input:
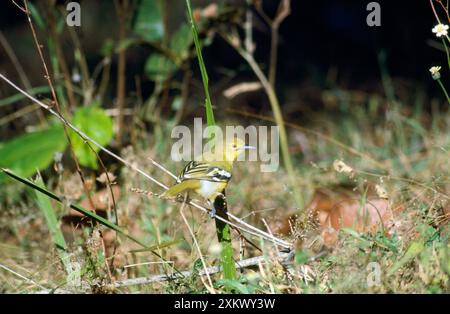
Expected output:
(342, 167)
(381, 192)
(435, 72)
(440, 30)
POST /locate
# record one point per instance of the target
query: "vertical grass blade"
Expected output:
(224, 236)
(52, 223)
(223, 230)
(208, 105)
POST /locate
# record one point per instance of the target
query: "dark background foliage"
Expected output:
(318, 37)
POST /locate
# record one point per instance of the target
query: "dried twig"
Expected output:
(434, 11)
(210, 288)
(283, 258)
(122, 8)
(276, 109)
(283, 11)
(21, 276)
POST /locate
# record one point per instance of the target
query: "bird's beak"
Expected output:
(248, 147)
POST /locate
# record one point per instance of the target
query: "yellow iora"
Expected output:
(208, 178)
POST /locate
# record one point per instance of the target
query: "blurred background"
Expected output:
(322, 45)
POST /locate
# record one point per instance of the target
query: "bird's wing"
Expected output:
(196, 170)
(182, 187)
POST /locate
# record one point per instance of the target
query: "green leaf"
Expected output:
(223, 232)
(301, 257)
(33, 151)
(52, 223)
(96, 124)
(181, 41)
(126, 43)
(36, 16)
(158, 67)
(414, 249)
(107, 48)
(50, 216)
(148, 23)
(233, 284)
(208, 104)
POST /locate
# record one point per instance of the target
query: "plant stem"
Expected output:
(446, 52)
(209, 111)
(122, 12)
(224, 237)
(223, 230)
(444, 90)
(273, 56)
(273, 99)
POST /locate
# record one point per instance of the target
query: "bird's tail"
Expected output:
(177, 189)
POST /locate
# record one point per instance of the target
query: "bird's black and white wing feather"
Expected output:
(196, 170)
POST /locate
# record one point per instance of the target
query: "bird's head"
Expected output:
(235, 147)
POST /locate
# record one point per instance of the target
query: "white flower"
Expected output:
(342, 167)
(435, 72)
(381, 192)
(440, 30)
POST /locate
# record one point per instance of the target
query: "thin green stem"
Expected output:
(223, 230)
(209, 111)
(447, 53)
(444, 90)
(278, 116)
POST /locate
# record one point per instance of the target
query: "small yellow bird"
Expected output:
(208, 178)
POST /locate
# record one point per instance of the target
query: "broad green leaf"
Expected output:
(33, 151)
(148, 23)
(158, 67)
(181, 41)
(96, 124)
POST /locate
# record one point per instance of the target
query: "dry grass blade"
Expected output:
(283, 258)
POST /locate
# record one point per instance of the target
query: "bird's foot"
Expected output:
(212, 213)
